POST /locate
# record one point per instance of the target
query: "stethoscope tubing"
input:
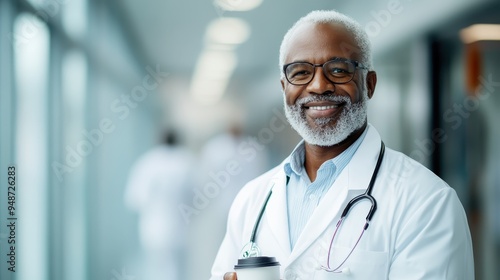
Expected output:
(366, 195)
(352, 202)
(261, 213)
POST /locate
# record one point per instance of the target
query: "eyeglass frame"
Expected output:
(354, 62)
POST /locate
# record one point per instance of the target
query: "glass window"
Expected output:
(74, 17)
(74, 82)
(31, 71)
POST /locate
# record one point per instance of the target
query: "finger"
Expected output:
(230, 276)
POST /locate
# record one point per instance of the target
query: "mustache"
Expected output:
(316, 98)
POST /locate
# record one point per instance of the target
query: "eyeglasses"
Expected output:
(337, 71)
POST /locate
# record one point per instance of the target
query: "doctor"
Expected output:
(416, 229)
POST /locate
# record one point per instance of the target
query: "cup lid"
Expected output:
(254, 262)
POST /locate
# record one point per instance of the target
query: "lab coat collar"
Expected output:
(277, 212)
(359, 170)
(353, 181)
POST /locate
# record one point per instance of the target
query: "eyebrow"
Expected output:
(329, 59)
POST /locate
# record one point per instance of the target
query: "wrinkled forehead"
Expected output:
(327, 40)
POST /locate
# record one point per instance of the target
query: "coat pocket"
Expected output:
(361, 264)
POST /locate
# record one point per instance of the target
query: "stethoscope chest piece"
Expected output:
(250, 250)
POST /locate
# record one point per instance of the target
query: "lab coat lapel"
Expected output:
(351, 182)
(326, 212)
(277, 216)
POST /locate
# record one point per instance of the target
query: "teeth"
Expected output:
(320, 108)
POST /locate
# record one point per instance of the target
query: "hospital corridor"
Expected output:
(127, 128)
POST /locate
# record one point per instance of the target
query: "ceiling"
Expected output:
(172, 34)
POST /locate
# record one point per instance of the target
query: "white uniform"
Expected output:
(158, 182)
(419, 230)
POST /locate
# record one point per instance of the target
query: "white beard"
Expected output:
(325, 133)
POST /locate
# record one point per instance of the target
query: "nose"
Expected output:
(320, 84)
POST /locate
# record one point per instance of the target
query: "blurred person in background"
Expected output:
(158, 182)
(342, 206)
(229, 161)
(222, 149)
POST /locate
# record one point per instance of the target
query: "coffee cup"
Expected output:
(258, 268)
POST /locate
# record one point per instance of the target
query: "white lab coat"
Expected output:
(419, 230)
(158, 182)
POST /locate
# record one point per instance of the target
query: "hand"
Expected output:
(230, 276)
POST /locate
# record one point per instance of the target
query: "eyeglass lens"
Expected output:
(337, 71)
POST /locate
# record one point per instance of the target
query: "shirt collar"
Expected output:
(295, 162)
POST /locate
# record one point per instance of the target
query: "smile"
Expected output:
(322, 108)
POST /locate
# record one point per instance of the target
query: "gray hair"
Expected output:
(332, 17)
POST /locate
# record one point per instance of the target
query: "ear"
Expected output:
(282, 84)
(371, 82)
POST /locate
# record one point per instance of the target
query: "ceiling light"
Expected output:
(237, 5)
(212, 74)
(480, 32)
(229, 31)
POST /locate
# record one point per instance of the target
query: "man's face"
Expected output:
(322, 112)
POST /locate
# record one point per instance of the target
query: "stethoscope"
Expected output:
(252, 250)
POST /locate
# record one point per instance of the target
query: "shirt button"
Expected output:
(312, 197)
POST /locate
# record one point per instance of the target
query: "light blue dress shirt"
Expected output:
(302, 195)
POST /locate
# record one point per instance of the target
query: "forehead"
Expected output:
(317, 43)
